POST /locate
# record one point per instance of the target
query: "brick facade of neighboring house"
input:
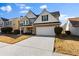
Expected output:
(15, 23)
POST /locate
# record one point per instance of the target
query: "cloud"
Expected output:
(20, 4)
(63, 15)
(23, 6)
(28, 7)
(64, 18)
(43, 7)
(7, 8)
(24, 11)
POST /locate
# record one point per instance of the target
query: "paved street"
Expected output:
(33, 46)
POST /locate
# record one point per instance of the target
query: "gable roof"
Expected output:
(74, 21)
(25, 18)
(4, 19)
(37, 15)
(55, 14)
(32, 13)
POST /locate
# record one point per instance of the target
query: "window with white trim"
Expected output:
(45, 18)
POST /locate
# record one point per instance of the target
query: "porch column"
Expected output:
(34, 30)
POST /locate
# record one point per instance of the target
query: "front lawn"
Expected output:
(11, 40)
(67, 44)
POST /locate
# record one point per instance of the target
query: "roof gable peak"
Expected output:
(31, 14)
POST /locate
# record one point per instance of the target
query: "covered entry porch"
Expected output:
(27, 29)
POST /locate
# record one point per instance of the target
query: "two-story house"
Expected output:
(42, 24)
(46, 22)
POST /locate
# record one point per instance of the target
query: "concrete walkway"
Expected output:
(33, 46)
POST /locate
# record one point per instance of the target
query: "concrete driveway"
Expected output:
(33, 46)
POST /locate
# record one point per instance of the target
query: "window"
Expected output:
(7, 23)
(45, 18)
(1, 23)
(10, 23)
(26, 22)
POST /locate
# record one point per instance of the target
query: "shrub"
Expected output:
(16, 31)
(6, 30)
(58, 30)
(68, 32)
(28, 33)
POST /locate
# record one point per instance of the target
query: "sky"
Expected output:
(13, 10)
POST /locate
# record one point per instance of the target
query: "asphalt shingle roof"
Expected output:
(55, 14)
(4, 19)
(74, 21)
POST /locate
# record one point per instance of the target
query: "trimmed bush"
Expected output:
(28, 33)
(68, 32)
(58, 30)
(16, 31)
(6, 30)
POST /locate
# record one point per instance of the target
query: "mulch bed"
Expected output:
(11, 35)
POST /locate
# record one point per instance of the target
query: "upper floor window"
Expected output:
(26, 22)
(45, 18)
(6, 23)
(10, 22)
(1, 23)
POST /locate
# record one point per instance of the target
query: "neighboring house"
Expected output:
(1, 22)
(4, 22)
(74, 25)
(15, 23)
(25, 22)
(28, 21)
(46, 22)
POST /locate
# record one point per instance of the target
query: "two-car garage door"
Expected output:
(45, 31)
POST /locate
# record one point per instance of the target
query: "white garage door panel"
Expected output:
(45, 31)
